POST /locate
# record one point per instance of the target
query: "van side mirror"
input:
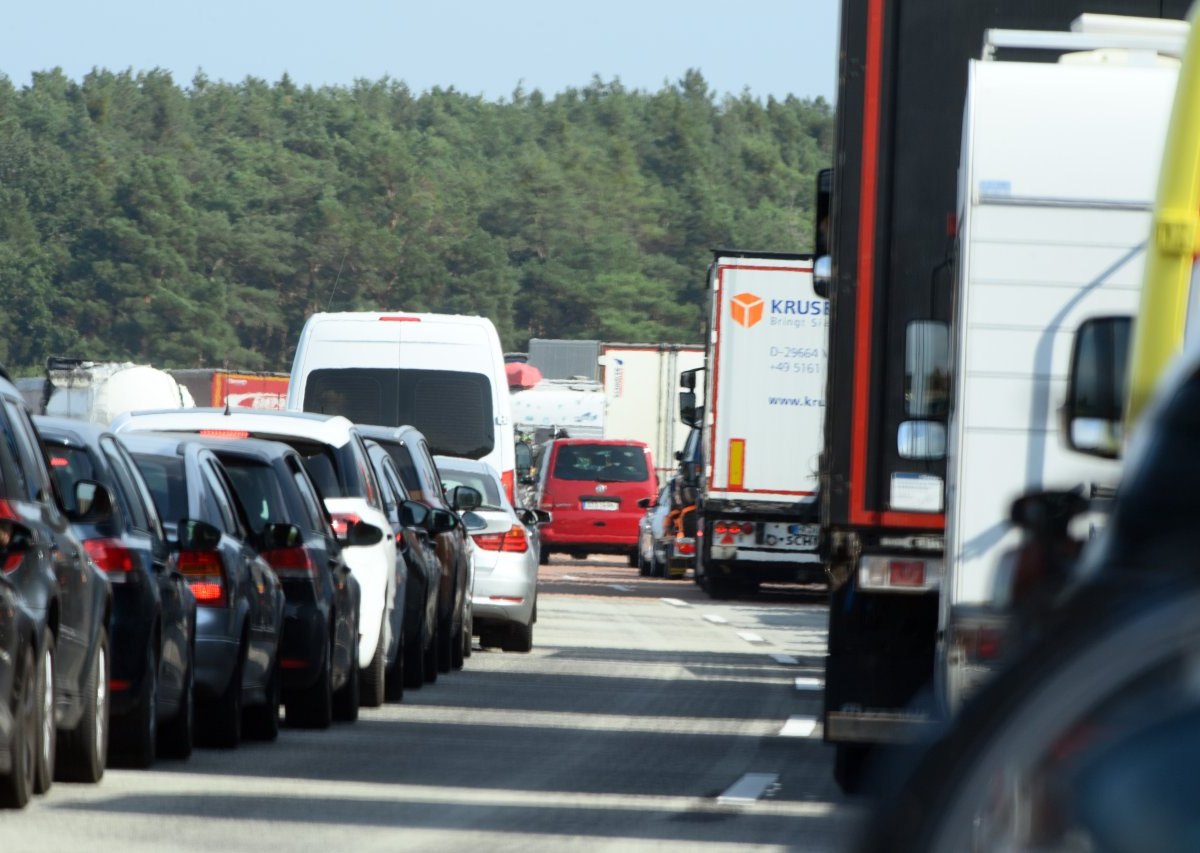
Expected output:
(1093, 412)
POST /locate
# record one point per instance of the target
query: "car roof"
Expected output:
(616, 442)
(158, 444)
(257, 448)
(395, 434)
(461, 463)
(84, 432)
(333, 430)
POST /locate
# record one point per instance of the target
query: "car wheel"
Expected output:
(643, 565)
(346, 700)
(175, 738)
(46, 736)
(445, 656)
(457, 656)
(135, 736)
(312, 706)
(519, 639)
(468, 632)
(414, 660)
(372, 677)
(393, 684)
(544, 557)
(83, 752)
(633, 558)
(262, 721)
(221, 719)
(16, 786)
(431, 667)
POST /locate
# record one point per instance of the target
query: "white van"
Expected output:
(442, 373)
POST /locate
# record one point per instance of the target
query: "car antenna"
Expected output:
(227, 412)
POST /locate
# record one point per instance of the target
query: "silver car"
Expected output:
(504, 601)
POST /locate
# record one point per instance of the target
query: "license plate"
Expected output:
(609, 506)
(798, 537)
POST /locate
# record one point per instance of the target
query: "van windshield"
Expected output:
(605, 463)
(452, 408)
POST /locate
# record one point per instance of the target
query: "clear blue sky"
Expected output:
(771, 47)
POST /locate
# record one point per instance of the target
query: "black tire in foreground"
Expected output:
(83, 752)
(372, 678)
(16, 786)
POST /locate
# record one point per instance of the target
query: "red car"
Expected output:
(591, 488)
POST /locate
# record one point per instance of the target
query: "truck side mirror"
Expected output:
(823, 266)
(822, 276)
(687, 408)
(524, 460)
(1093, 412)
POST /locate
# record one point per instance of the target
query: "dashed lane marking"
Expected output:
(806, 683)
(751, 637)
(715, 619)
(798, 727)
(620, 588)
(569, 578)
(674, 602)
(749, 789)
(786, 660)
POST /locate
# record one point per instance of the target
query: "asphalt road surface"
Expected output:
(647, 717)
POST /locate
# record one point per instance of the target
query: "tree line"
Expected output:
(200, 225)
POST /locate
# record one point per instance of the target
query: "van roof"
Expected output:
(398, 316)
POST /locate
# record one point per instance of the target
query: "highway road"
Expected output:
(647, 717)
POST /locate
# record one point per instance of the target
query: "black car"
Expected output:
(318, 654)
(65, 603)
(19, 689)
(152, 627)
(417, 551)
(409, 450)
(240, 602)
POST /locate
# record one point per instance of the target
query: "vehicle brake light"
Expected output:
(747, 528)
(12, 562)
(684, 548)
(978, 642)
(906, 573)
(111, 556)
(342, 522)
(899, 574)
(225, 433)
(512, 542)
(59, 462)
(508, 481)
(399, 319)
(206, 576)
(291, 562)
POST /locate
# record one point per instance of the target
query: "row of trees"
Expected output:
(201, 225)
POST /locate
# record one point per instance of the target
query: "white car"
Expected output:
(337, 461)
(504, 601)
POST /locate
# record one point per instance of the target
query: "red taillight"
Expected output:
(906, 572)
(12, 561)
(747, 528)
(118, 684)
(205, 575)
(720, 528)
(111, 556)
(342, 522)
(509, 482)
(291, 562)
(225, 433)
(512, 542)
(60, 462)
(684, 549)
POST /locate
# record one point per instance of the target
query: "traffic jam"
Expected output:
(939, 463)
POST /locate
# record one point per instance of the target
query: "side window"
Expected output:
(133, 501)
(430, 471)
(927, 369)
(222, 496)
(314, 508)
(153, 521)
(25, 449)
(367, 472)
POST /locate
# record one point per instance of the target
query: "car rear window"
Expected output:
(257, 487)
(69, 465)
(165, 477)
(607, 463)
(334, 470)
(485, 485)
(452, 408)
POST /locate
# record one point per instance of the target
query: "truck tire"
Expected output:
(849, 766)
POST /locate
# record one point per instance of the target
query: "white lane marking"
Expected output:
(798, 727)
(750, 637)
(749, 789)
(715, 619)
(786, 660)
(674, 602)
(620, 588)
(569, 578)
(809, 683)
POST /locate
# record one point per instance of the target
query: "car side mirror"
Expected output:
(279, 535)
(1094, 409)
(465, 498)
(644, 503)
(473, 521)
(442, 521)
(93, 503)
(414, 514)
(14, 538)
(363, 535)
(195, 535)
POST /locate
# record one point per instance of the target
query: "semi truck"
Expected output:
(891, 246)
(761, 423)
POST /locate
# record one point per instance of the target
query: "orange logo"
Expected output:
(746, 308)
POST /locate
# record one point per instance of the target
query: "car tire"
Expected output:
(445, 654)
(16, 786)
(643, 566)
(849, 766)
(414, 662)
(372, 678)
(83, 752)
(431, 668)
(175, 738)
(346, 700)
(519, 639)
(46, 734)
(544, 557)
(634, 557)
(221, 719)
(393, 685)
(262, 721)
(135, 736)
(468, 632)
(457, 656)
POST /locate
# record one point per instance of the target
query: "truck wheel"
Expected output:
(635, 558)
(544, 557)
(719, 589)
(849, 766)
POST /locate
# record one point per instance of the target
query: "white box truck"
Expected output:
(640, 381)
(762, 424)
(1056, 186)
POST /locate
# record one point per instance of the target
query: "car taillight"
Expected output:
(291, 562)
(509, 482)
(684, 548)
(733, 528)
(111, 556)
(342, 522)
(13, 560)
(512, 542)
(206, 576)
